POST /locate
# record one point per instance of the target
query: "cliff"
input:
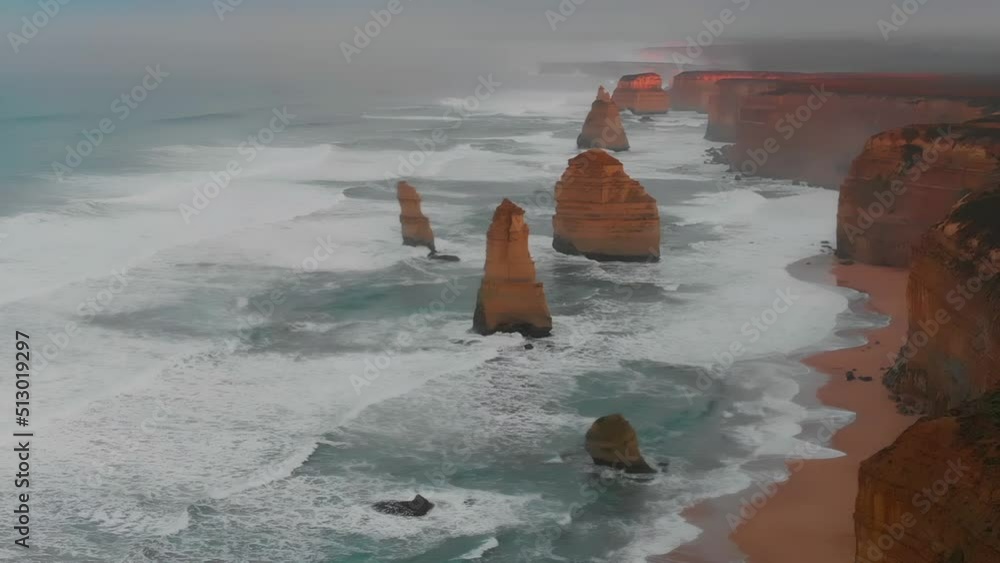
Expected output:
(952, 353)
(510, 300)
(906, 180)
(695, 90)
(642, 94)
(934, 495)
(603, 127)
(416, 226)
(604, 214)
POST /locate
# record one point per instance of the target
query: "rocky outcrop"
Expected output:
(419, 506)
(416, 226)
(604, 214)
(695, 90)
(510, 299)
(934, 495)
(906, 180)
(642, 94)
(612, 442)
(603, 128)
(952, 354)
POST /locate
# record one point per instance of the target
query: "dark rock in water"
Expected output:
(419, 506)
(738, 178)
(850, 375)
(442, 257)
(645, 118)
(529, 346)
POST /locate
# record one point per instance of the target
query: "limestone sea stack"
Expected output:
(612, 442)
(510, 299)
(603, 214)
(416, 226)
(642, 94)
(603, 128)
(952, 352)
(932, 495)
(906, 180)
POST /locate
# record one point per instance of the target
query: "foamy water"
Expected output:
(244, 394)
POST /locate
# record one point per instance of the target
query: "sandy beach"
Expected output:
(811, 516)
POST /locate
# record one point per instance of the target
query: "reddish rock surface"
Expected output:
(813, 132)
(416, 226)
(604, 214)
(510, 299)
(952, 354)
(603, 128)
(642, 94)
(695, 90)
(934, 495)
(906, 180)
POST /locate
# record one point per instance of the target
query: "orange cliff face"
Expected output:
(695, 90)
(603, 128)
(604, 214)
(510, 300)
(642, 94)
(416, 226)
(813, 132)
(952, 353)
(906, 180)
(932, 495)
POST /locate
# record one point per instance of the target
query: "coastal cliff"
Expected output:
(906, 180)
(604, 214)
(415, 225)
(642, 94)
(952, 353)
(695, 90)
(510, 299)
(933, 495)
(603, 127)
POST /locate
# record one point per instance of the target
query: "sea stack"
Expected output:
(510, 299)
(906, 180)
(642, 94)
(952, 353)
(603, 214)
(612, 442)
(603, 128)
(416, 226)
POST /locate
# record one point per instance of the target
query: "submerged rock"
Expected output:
(612, 442)
(443, 257)
(419, 506)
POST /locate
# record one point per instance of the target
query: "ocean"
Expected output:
(235, 356)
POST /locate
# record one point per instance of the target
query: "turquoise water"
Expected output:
(197, 416)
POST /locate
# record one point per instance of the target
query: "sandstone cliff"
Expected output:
(642, 94)
(695, 90)
(906, 180)
(510, 299)
(952, 354)
(416, 226)
(604, 214)
(603, 128)
(934, 495)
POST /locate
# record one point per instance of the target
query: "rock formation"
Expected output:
(612, 442)
(906, 180)
(603, 214)
(603, 128)
(416, 226)
(419, 506)
(933, 495)
(695, 90)
(510, 300)
(952, 354)
(642, 94)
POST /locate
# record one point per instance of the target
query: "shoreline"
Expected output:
(811, 514)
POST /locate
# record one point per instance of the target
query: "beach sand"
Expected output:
(811, 516)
